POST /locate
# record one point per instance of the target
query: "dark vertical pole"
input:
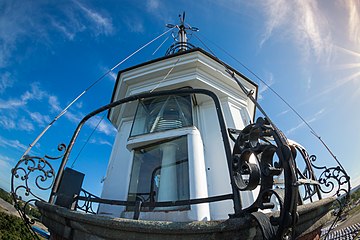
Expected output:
(236, 194)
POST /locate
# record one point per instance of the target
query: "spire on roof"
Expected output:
(181, 43)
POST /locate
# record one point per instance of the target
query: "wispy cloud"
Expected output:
(7, 123)
(68, 33)
(79, 104)
(351, 71)
(102, 24)
(353, 7)
(25, 125)
(12, 27)
(5, 159)
(314, 118)
(113, 76)
(264, 87)
(309, 82)
(16, 113)
(103, 127)
(6, 81)
(13, 122)
(159, 10)
(283, 113)
(29, 21)
(101, 142)
(152, 5)
(35, 93)
(276, 11)
(8, 143)
(303, 22)
(6, 164)
(39, 118)
(134, 23)
(54, 104)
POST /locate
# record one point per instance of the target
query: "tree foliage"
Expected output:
(6, 196)
(13, 228)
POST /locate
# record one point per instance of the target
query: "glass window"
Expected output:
(162, 113)
(160, 173)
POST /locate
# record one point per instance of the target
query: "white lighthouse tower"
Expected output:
(170, 147)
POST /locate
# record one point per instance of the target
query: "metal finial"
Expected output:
(181, 43)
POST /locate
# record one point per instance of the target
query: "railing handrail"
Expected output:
(183, 91)
(155, 204)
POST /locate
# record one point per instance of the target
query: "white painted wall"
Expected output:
(116, 183)
(197, 177)
(236, 116)
(208, 170)
(218, 180)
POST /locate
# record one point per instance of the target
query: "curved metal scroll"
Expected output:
(174, 48)
(259, 156)
(30, 177)
(86, 205)
(306, 176)
(333, 179)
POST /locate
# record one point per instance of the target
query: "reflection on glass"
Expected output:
(160, 173)
(162, 113)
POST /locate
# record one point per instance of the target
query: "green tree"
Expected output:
(6, 196)
(13, 228)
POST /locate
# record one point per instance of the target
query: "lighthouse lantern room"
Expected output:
(170, 148)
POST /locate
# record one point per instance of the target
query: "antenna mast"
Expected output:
(181, 43)
(182, 33)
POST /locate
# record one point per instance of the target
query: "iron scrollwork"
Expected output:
(260, 155)
(306, 176)
(86, 205)
(30, 177)
(333, 179)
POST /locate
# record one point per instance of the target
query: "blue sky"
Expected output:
(50, 51)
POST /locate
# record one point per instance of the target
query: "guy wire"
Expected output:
(278, 95)
(87, 89)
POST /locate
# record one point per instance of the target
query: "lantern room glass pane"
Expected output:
(161, 114)
(160, 173)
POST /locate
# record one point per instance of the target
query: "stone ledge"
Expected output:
(67, 224)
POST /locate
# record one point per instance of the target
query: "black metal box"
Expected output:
(70, 187)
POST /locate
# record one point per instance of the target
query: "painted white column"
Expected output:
(168, 178)
(197, 177)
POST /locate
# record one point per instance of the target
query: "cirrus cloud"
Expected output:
(303, 22)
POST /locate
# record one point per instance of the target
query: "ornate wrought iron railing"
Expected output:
(260, 157)
(31, 177)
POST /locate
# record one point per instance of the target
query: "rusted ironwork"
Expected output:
(30, 175)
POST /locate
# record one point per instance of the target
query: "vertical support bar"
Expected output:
(236, 194)
(137, 209)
